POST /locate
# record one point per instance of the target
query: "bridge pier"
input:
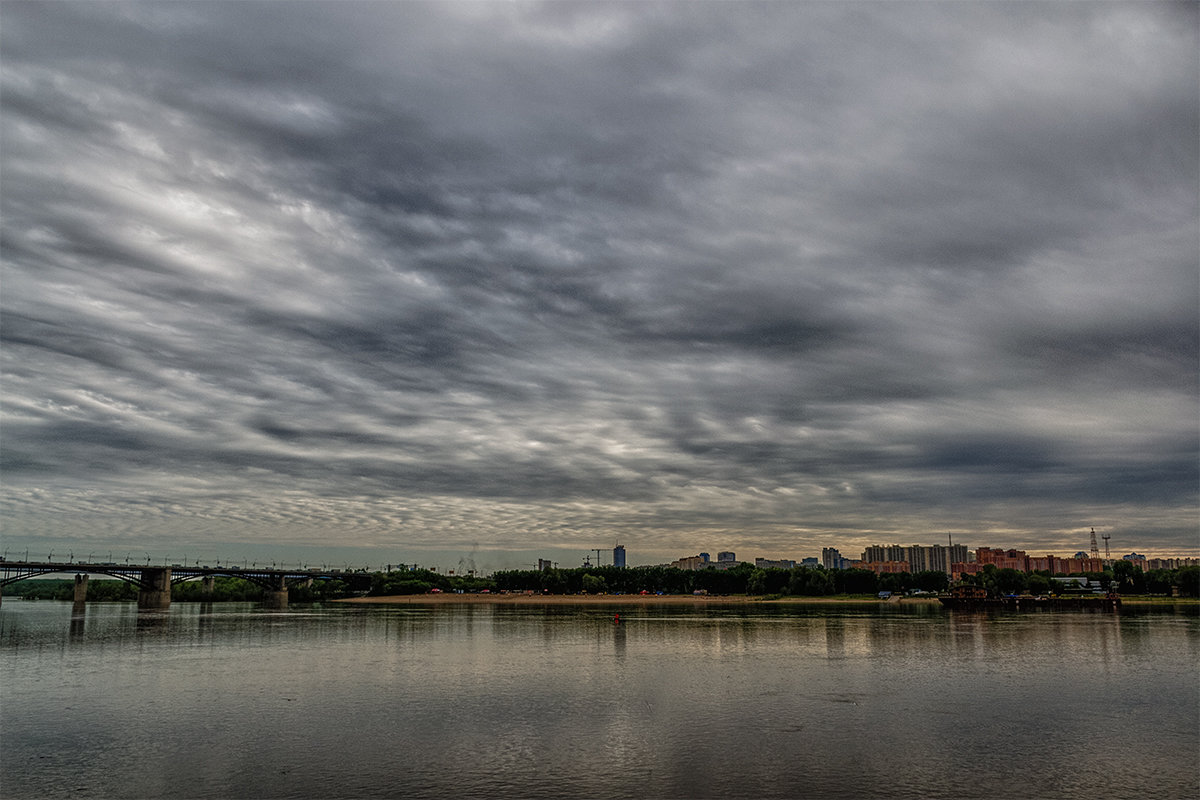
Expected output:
(81, 583)
(277, 596)
(207, 585)
(158, 593)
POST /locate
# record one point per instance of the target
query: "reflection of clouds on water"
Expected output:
(532, 702)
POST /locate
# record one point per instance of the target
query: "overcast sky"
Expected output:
(407, 278)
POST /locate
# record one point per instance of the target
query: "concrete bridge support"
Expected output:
(80, 597)
(158, 593)
(207, 584)
(277, 596)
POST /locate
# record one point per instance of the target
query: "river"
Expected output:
(232, 701)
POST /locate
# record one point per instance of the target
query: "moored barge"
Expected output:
(973, 598)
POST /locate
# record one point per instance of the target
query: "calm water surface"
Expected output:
(230, 701)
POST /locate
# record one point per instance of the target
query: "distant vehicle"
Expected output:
(435, 591)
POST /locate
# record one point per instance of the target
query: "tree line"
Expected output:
(742, 579)
(225, 588)
(1122, 577)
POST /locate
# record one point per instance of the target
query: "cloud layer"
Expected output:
(760, 276)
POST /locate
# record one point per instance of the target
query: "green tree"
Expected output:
(856, 581)
(111, 591)
(1128, 578)
(810, 582)
(1188, 581)
(757, 582)
(593, 584)
(933, 580)
(1009, 581)
(1038, 584)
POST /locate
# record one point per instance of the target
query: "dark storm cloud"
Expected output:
(783, 275)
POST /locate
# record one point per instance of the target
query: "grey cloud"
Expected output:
(537, 273)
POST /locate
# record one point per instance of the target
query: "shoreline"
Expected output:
(621, 599)
(450, 598)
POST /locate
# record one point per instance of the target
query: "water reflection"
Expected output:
(518, 701)
(78, 620)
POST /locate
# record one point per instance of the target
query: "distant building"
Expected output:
(691, 562)
(1003, 559)
(884, 567)
(811, 561)
(619, 556)
(960, 568)
(832, 559)
(544, 565)
(920, 558)
(880, 553)
(767, 563)
(1171, 563)
(726, 555)
(1079, 584)
(941, 557)
(1020, 561)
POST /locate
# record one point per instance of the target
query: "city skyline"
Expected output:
(375, 282)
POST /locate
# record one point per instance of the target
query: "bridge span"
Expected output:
(154, 582)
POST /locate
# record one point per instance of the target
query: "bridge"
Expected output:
(154, 582)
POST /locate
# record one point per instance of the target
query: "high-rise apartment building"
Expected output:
(619, 556)
(832, 559)
(892, 552)
(920, 558)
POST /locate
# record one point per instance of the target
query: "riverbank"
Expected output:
(498, 598)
